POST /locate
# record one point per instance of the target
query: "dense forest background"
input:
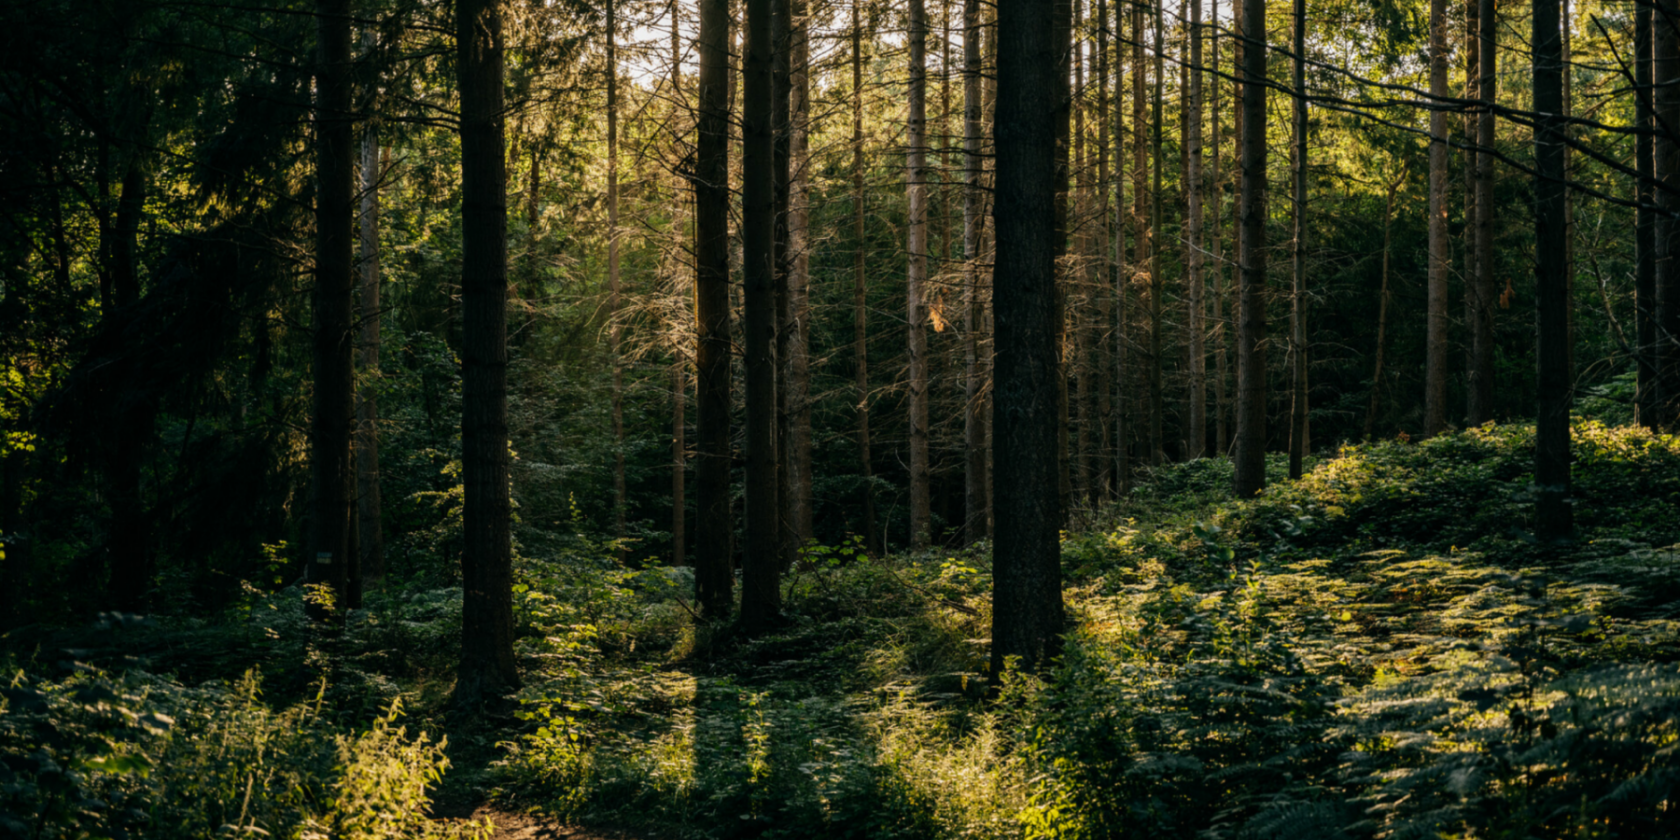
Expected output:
(356, 312)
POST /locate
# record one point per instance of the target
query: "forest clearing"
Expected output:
(653, 419)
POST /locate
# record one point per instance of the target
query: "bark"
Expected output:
(331, 474)
(1645, 261)
(860, 289)
(1061, 25)
(1481, 276)
(974, 314)
(796, 326)
(370, 538)
(1251, 325)
(1196, 326)
(1297, 255)
(1221, 401)
(761, 567)
(1382, 308)
(1665, 76)
(915, 177)
(1156, 284)
(1104, 264)
(1435, 374)
(1142, 233)
(1079, 344)
(714, 531)
(1027, 617)
(1553, 510)
(487, 664)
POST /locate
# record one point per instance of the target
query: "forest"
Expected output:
(839, 419)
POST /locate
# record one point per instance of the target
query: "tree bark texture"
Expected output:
(915, 178)
(974, 418)
(1297, 254)
(1481, 275)
(1027, 615)
(1553, 509)
(860, 290)
(761, 566)
(1196, 326)
(1435, 373)
(1250, 449)
(1645, 259)
(796, 325)
(487, 664)
(1156, 282)
(715, 528)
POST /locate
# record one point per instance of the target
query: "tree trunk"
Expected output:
(130, 540)
(487, 664)
(1196, 326)
(1061, 31)
(1079, 345)
(335, 210)
(1553, 516)
(1104, 262)
(974, 419)
(761, 567)
(1251, 257)
(915, 177)
(621, 501)
(1221, 402)
(371, 537)
(14, 540)
(1141, 231)
(1156, 285)
(714, 573)
(1481, 276)
(1645, 257)
(796, 326)
(1027, 616)
(860, 288)
(1665, 73)
(1297, 255)
(679, 365)
(1435, 375)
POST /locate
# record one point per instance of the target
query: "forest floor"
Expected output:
(1382, 648)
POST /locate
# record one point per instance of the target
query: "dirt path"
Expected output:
(516, 826)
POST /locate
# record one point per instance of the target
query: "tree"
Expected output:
(761, 594)
(487, 666)
(714, 567)
(370, 538)
(1250, 444)
(1665, 79)
(1027, 616)
(915, 179)
(974, 419)
(1645, 239)
(1297, 253)
(795, 327)
(1482, 284)
(1553, 514)
(1195, 325)
(615, 324)
(1435, 376)
(1157, 406)
(332, 478)
(860, 290)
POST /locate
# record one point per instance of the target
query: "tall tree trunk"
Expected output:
(1196, 325)
(371, 537)
(915, 177)
(1435, 374)
(1079, 345)
(761, 592)
(1251, 257)
(679, 365)
(1142, 233)
(796, 327)
(715, 526)
(974, 315)
(487, 664)
(781, 87)
(1123, 221)
(1061, 26)
(1665, 76)
(130, 540)
(1645, 242)
(1472, 81)
(335, 213)
(860, 288)
(1221, 403)
(1156, 285)
(1027, 616)
(1297, 256)
(1553, 515)
(1105, 261)
(621, 501)
(1481, 276)
(1382, 307)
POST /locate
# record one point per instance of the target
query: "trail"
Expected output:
(511, 825)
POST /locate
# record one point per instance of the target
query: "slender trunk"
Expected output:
(487, 665)
(781, 98)
(1645, 258)
(761, 567)
(714, 573)
(1196, 326)
(1221, 404)
(796, 327)
(1553, 512)
(679, 366)
(1156, 284)
(1103, 264)
(1061, 26)
(1142, 234)
(621, 501)
(860, 288)
(1251, 325)
(1435, 375)
(370, 536)
(1382, 308)
(1482, 277)
(915, 177)
(1122, 273)
(1472, 82)
(1665, 76)
(1078, 267)
(1027, 616)
(974, 314)
(1297, 254)
(335, 204)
